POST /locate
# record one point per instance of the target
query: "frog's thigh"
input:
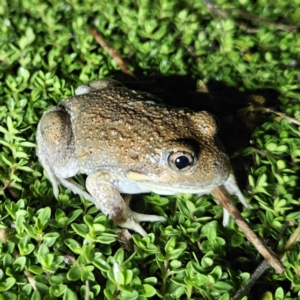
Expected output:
(54, 136)
(108, 199)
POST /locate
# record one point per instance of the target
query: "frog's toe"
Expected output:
(226, 217)
(133, 225)
(133, 222)
(233, 189)
(148, 218)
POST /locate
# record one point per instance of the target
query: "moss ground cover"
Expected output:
(65, 248)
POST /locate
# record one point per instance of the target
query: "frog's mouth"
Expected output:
(164, 184)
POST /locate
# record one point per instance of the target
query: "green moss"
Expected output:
(69, 250)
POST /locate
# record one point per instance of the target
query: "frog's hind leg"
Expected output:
(110, 202)
(55, 146)
(50, 174)
(76, 188)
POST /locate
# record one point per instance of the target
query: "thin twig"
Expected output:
(245, 288)
(222, 196)
(294, 238)
(280, 26)
(111, 51)
(284, 116)
(216, 11)
(265, 110)
(246, 28)
(267, 154)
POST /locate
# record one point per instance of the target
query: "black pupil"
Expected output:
(181, 162)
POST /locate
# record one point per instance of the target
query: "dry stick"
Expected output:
(294, 238)
(245, 288)
(217, 12)
(111, 51)
(283, 116)
(221, 193)
(265, 110)
(259, 271)
(250, 17)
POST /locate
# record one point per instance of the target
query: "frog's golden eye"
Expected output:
(181, 160)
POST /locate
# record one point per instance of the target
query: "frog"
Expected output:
(129, 142)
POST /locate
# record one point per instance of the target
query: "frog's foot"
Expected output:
(133, 225)
(226, 217)
(143, 217)
(148, 218)
(233, 190)
(133, 222)
(110, 202)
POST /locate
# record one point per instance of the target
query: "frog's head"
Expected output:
(196, 162)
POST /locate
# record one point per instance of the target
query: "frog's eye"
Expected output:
(181, 160)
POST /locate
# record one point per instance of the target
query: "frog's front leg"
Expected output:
(101, 185)
(232, 188)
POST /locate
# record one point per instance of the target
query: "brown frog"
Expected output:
(127, 143)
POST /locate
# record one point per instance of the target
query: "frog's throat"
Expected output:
(159, 186)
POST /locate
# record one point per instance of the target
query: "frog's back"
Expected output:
(116, 126)
(124, 130)
(112, 126)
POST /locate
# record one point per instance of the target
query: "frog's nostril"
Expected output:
(216, 164)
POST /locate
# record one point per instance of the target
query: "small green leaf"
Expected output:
(279, 294)
(119, 256)
(74, 215)
(262, 180)
(148, 291)
(80, 229)
(74, 273)
(271, 147)
(222, 287)
(57, 290)
(50, 238)
(7, 284)
(225, 296)
(74, 246)
(43, 250)
(36, 296)
(35, 269)
(69, 295)
(105, 239)
(175, 264)
(88, 252)
(191, 207)
(101, 263)
(237, 239)
(19, 263)
(87, 273)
